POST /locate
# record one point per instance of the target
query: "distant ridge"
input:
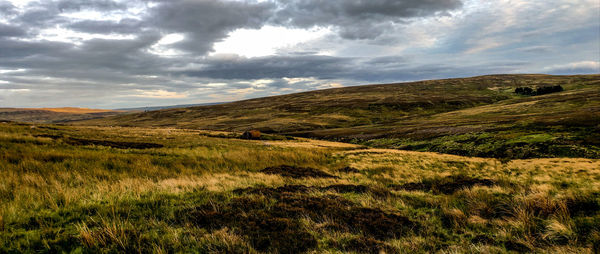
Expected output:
(54, 115)
(153, 108)
(74, 110)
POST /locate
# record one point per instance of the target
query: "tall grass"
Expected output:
(61, 197)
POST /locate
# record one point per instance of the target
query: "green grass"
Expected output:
(564, 124)
(200, 192)
(511, 144)
(533, 138)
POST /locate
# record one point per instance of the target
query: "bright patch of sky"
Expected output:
(21, 3)
(60, 34)
(266, 40)
(164, 46)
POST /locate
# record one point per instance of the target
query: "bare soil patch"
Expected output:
(348, 188)
(297, 172)
(348, 169)
(48, 136)
(446, 185)
(363, 244)
(340, 188)
(113, 144)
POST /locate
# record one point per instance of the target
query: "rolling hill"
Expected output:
(480, 116)
(153, 108)
(54, 115)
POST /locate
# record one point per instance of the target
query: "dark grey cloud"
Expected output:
(95, 56)
(7, 8)
(123, 26)
(324, 67)
(98, 5)
(357, 19)
(10, 31)
(15, 53)
(116, 55)
(39, 16)
(205, 22)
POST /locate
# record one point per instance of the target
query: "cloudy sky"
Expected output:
(114, 54)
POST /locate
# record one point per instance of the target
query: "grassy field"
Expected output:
(479, 116)
(125, 189)
(565, 124)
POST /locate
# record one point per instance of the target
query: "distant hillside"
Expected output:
(54, 115)
(153, 108)
(436, 115)
(74, 110)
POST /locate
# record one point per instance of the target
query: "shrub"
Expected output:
(252, 134)
(539, 90)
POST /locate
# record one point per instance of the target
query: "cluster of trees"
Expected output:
(539, 91)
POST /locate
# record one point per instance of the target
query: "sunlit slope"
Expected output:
(573, 108)
(398, 115)
(350, 106)
(565, 124)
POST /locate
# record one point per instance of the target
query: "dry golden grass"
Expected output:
(56, 196)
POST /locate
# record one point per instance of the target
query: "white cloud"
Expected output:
(159, 94)
(11, 71)
(576, 67)
(15, 90)
(265, 41)
(60, 34)
(20, 3)
(164, 47)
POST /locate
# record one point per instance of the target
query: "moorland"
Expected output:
(478, 116)
(449, 166)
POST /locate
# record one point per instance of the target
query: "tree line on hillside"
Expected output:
(539, 90)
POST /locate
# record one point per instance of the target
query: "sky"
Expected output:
(137, 53)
